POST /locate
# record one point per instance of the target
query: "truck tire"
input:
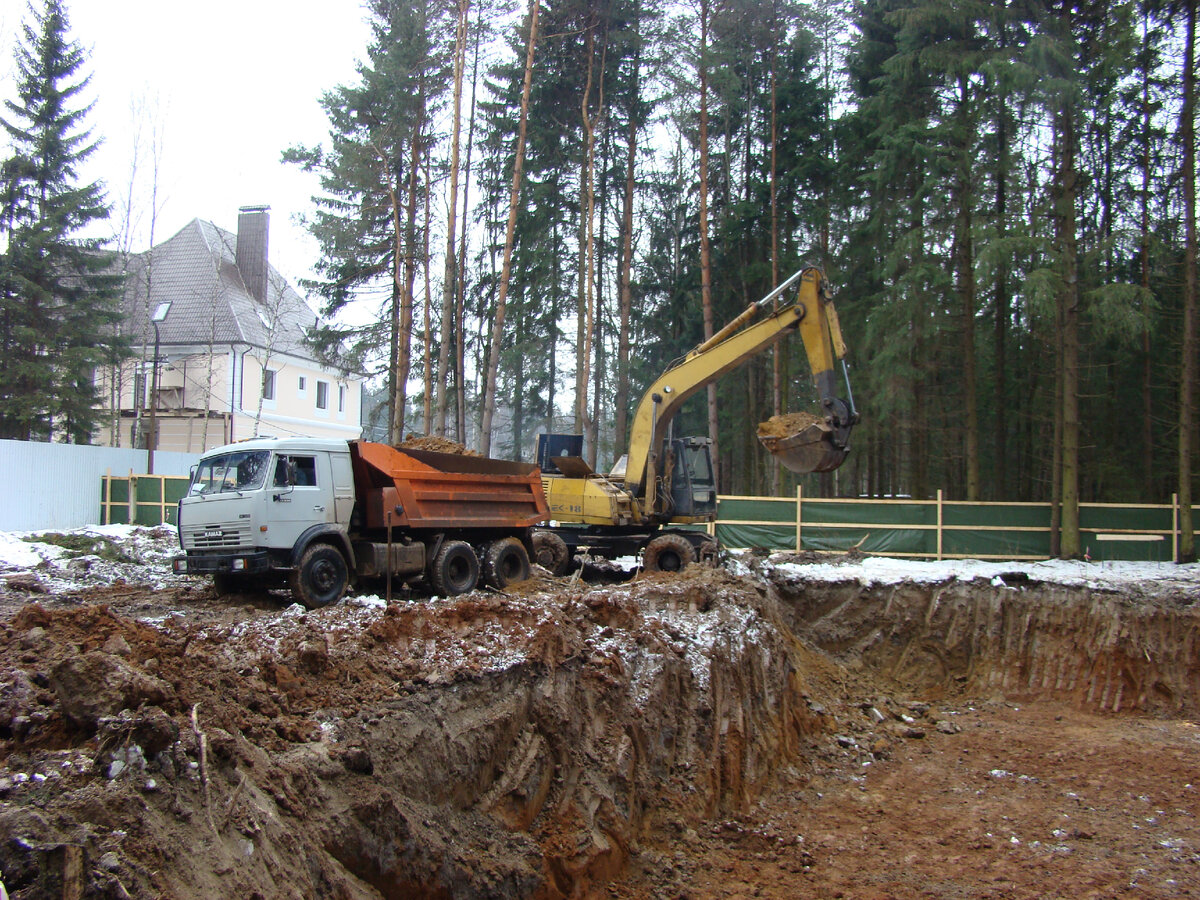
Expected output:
(321, 576)
(505, 562)
(226, 583)
(551, 552)
(455, 569)
(668, 553)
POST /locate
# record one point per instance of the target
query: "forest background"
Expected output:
(539, 207)
(1001, 193)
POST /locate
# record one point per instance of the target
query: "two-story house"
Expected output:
(221, 333)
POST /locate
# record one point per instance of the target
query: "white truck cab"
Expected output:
(252, 506)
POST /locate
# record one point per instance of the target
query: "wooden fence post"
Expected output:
(1174, 528)
(939, 525)
(799, 517)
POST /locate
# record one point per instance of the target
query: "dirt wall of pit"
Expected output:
(1014, 638)
(503, 746)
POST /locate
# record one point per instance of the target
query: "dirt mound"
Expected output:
(787, 425)
(511, 745)
(434, 443)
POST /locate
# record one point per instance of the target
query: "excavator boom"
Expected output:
(811, 444)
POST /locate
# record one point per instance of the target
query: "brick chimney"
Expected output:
(253, 225)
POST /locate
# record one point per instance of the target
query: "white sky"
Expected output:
(235, 82)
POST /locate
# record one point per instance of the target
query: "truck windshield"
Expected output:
(242, 470)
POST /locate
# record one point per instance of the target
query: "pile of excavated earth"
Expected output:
(771, 727)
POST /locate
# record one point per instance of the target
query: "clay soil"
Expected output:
(435, 443)
(787, 425)
(1028, 801)
(701, 735)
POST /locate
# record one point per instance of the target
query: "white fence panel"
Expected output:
(58, 485)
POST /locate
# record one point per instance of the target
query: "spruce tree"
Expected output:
(58, 293)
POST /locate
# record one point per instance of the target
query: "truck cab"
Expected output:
(252, 507)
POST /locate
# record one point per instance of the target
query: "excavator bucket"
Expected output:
(802, 443)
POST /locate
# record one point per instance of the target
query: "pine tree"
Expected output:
(58, 293)
(373, 178)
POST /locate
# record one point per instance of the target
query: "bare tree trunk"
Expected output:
(777, 351)
(449, 335)
(1000, 325)
(625, 304)
(587, 250)
(407, 294)
(1065, 218)
(427, 341)
(1148, 461)
(493, 362)
(460, 408)
(1187, 380)
(966, 291)
(706, 301)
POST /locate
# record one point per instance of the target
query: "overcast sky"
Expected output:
(232, 84)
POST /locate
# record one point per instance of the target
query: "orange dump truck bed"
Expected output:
(424, 489)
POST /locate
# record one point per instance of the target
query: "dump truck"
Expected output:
(320, 514)
(663, 484)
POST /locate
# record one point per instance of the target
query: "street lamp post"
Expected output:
(160, 313)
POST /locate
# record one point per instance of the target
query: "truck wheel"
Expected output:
(668, 553)
(505, 563)
(226, 583)
(551, 552)
(455, 569)
(321, 576)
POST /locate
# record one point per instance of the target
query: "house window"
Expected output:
(268, 384)
(322, 395)
(301, 385)
(341, 398)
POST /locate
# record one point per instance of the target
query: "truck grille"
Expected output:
(224, 536)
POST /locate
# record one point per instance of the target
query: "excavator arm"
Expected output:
(813, 444)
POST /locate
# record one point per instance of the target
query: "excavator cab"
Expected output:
(693, 482)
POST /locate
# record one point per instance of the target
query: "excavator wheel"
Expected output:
(551, 552)
(505, 562)
(668, 553)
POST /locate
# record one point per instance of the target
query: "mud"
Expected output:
(701, 734)
(494, 745)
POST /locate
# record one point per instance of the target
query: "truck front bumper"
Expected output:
(247, 563)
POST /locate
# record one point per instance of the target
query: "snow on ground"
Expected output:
(1074, 573)
(138, 555)
(90, 556)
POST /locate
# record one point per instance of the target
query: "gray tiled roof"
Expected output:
(195, 270)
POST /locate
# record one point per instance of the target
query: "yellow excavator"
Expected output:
(664, 481)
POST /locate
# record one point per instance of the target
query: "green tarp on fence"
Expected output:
(886, 527)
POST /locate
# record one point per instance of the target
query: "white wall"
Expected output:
(47, 486)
